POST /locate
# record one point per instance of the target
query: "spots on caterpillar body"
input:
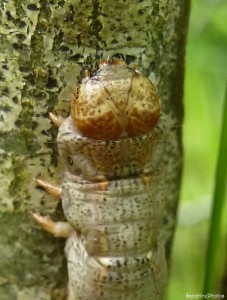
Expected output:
(113, 190)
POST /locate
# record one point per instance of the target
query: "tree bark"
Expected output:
(45, 47)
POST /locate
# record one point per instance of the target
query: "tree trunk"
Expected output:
(45, 46)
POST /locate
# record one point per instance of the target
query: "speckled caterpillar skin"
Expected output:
(114, 147)
(113, 194)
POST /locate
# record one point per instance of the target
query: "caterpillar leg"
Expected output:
(57, 120)
(58, 229)
(49, 188)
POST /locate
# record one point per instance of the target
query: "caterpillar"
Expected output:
(112, 192)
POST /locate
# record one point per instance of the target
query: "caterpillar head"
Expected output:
(115, 102)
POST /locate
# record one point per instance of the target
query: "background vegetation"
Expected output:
(206, 76)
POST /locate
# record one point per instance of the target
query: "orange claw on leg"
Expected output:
(58, 229)
(49, 188)
(57, 120)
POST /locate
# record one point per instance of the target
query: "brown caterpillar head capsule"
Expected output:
(115, 102)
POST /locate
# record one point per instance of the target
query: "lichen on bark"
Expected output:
(45, 47)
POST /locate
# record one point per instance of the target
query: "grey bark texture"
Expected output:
(45, 47)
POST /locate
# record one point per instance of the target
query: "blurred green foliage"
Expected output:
(205, 82)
